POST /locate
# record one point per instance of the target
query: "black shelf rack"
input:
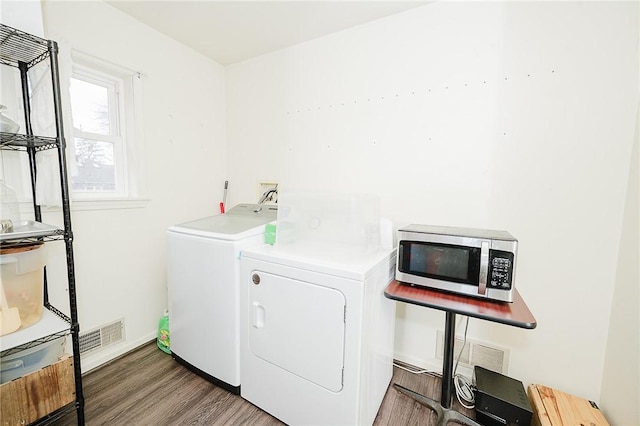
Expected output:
(20, 48)
(18, 142)
(23, 51)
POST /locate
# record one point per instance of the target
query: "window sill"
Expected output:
(105, 204)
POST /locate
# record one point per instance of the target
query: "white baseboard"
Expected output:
(100, 358)
(433, 365)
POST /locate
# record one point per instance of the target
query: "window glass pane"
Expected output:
(89, 106)
(96, 171)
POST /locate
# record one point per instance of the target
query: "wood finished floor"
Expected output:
(147, 387)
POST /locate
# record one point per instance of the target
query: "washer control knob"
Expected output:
(256, 279)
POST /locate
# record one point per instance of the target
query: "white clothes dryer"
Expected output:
(317, 334)
(202, 277)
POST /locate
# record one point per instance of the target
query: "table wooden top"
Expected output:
(515, 313)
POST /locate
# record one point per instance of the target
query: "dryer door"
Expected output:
(299, 327)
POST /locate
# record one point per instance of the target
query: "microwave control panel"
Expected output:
(500, 269)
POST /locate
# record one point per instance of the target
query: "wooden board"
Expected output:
(37, 394)
(554, 408)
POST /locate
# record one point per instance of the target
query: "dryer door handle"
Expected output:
(257, 315)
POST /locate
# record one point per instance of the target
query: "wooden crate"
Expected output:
(37, 394)
(554, 408)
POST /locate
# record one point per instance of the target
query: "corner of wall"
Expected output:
(621, 372)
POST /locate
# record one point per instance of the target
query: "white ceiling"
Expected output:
(232, 31)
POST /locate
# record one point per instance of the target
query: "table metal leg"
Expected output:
(443, 408)
(447, 364)
(445, 415)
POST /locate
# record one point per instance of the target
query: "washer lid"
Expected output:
(241, 221)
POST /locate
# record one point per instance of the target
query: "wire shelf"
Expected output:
(28, 241)
(19, 47)
(20, 142)
(52, 325)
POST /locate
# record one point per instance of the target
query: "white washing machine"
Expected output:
(203, 282)
(317, 334)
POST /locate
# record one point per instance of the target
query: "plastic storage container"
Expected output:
(22, 275)
(30, 360)
(324, 223)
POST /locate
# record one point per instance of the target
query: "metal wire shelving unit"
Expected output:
(23, 51)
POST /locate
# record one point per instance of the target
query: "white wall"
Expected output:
(621, 375)
(511, 116)
(25, 15)
(516, 116)
(120, 253)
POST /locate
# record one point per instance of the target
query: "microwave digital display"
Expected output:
(441, 261)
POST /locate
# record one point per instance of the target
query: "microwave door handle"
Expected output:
(484, 267)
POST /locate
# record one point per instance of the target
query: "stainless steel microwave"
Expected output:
(474, 262)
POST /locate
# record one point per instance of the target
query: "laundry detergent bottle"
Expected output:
(163, 333)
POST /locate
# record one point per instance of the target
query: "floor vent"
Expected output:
(102, 337)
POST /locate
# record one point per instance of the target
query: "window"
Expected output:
(98, 141)
(106, 145)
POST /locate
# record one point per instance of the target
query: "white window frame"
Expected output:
(131, 188)
(116, 136)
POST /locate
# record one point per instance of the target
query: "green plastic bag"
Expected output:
(163, 333)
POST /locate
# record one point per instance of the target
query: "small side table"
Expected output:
(515, 314)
